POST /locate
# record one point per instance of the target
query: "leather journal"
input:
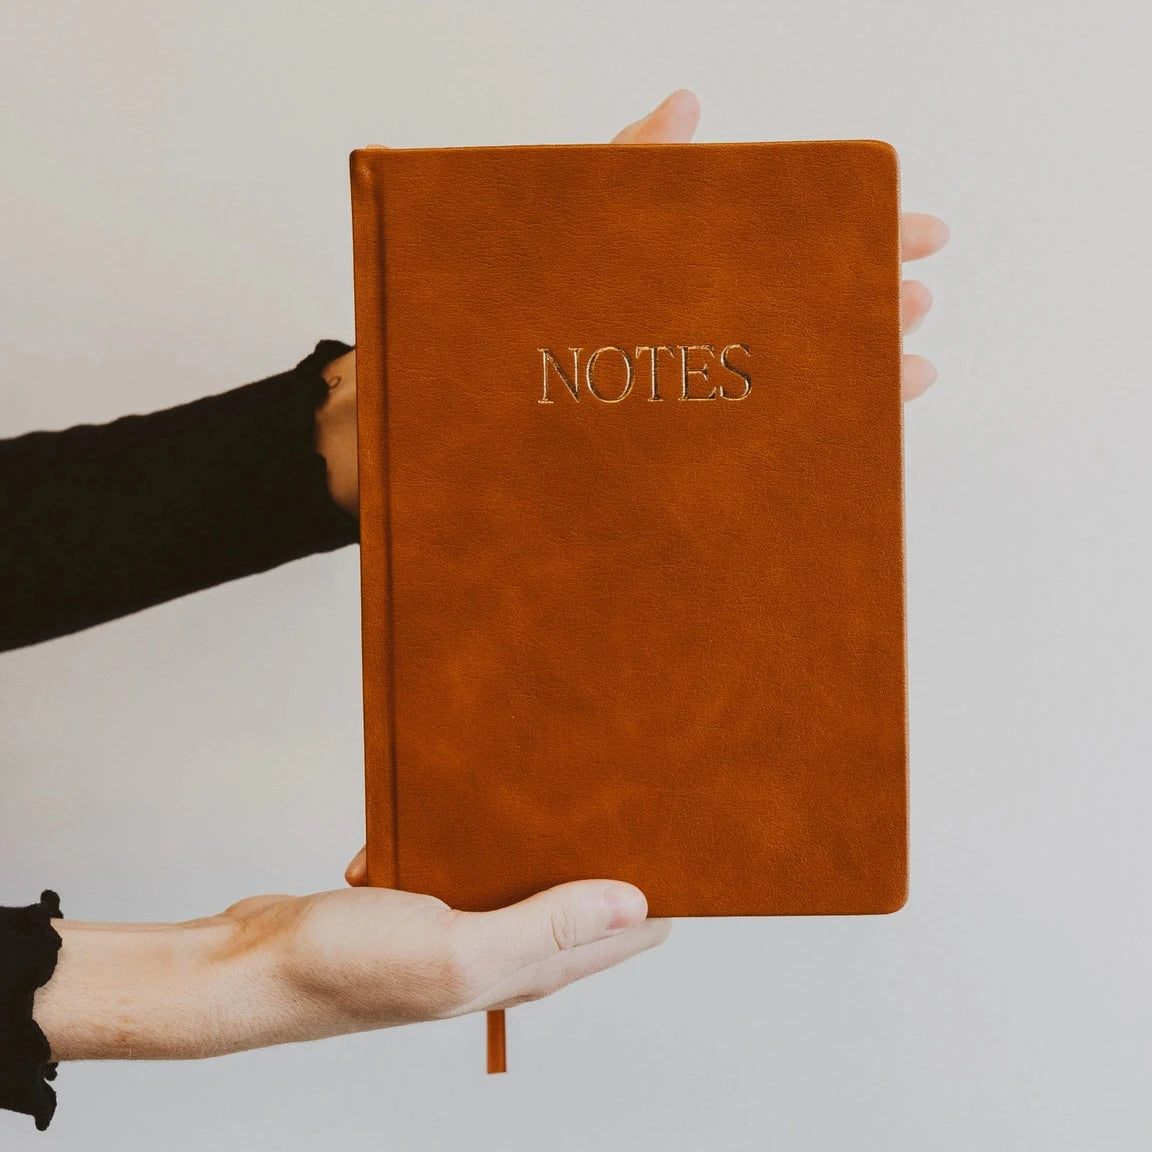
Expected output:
(631, 515)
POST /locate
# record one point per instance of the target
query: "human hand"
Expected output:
(375, 957)
(673, 122)
(276, 969)
(335, 435)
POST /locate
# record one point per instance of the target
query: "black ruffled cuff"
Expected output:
(28, 948)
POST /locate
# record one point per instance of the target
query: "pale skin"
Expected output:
(275, 969)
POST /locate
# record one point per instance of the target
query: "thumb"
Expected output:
(357, 871)
(556, 920)
(672, 122)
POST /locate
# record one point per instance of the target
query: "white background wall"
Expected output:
(175, 222)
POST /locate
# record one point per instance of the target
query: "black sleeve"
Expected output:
(98, 521)
(28, 948)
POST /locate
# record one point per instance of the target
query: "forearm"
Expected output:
(184, 991)
(151, 991)
(98, 521)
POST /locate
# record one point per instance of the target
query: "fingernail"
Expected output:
(626, 905)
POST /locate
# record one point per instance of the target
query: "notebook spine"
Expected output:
(375, 528)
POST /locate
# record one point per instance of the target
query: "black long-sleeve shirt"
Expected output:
(98, 521)
(101, 520)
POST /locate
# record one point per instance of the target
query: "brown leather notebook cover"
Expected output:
(631, 514)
